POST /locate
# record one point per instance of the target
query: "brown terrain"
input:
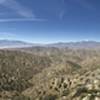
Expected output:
(50, 73)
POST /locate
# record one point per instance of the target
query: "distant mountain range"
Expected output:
(14, 44)
(81, 44)
(20, 44)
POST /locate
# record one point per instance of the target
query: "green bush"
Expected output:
(50, 97)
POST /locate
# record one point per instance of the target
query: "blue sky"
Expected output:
(46, 21)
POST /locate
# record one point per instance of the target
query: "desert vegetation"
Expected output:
(49, 73)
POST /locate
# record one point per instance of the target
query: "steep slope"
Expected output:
(16, 68)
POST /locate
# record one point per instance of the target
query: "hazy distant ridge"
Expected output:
(19, 44)
(82, 44)
(13, 44)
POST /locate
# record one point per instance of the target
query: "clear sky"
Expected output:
(44, 21)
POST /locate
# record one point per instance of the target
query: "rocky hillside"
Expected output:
(83, 85)
(50, 74)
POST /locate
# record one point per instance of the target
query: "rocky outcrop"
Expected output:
(76, 87)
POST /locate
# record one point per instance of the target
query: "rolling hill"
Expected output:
(49, 73)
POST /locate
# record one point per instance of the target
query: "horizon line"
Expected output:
(26, 41)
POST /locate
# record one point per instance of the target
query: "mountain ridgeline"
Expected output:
(50, 72)
(19, 44)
